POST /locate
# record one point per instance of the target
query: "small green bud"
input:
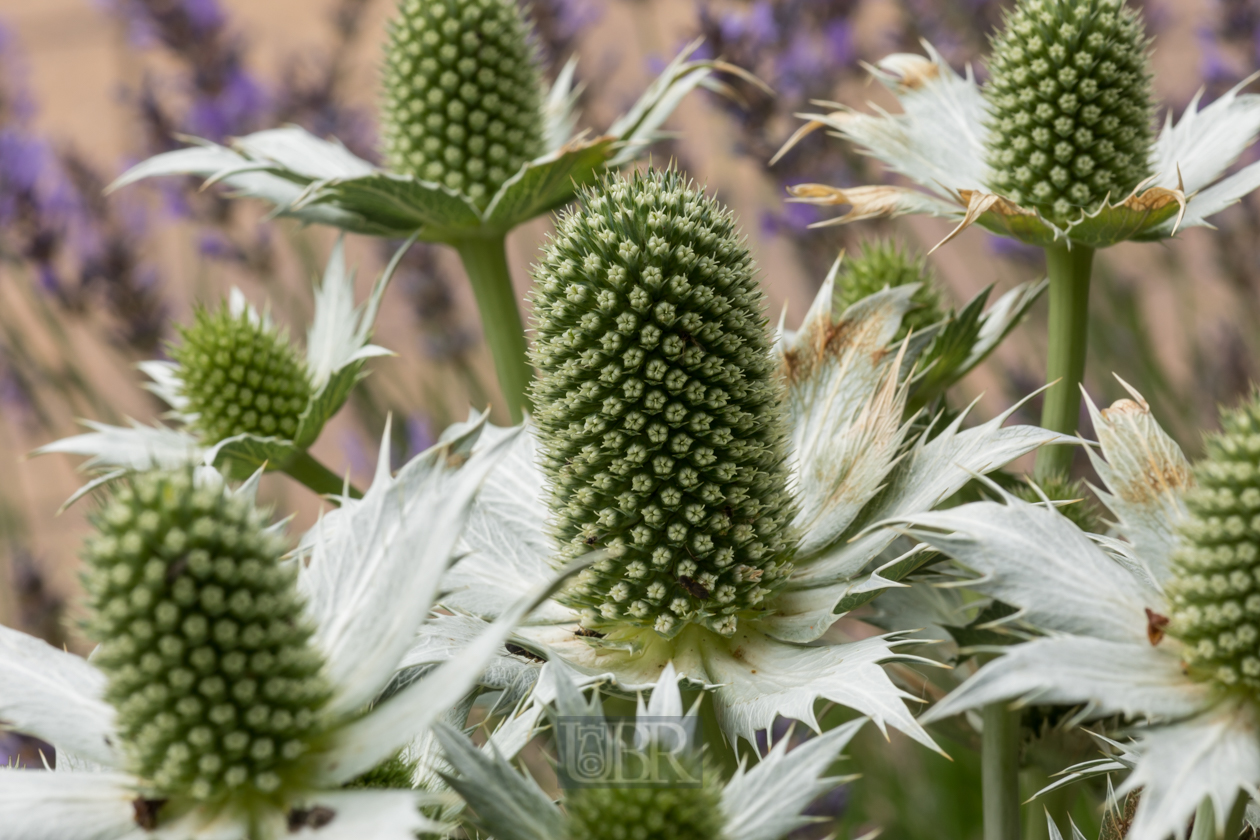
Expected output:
(462, 103)
(654, 812)
(1083, 511)
(1215, 589)
(240, 375)
(658, 409)
(203, 639)
(1071, 109)
(885, 264)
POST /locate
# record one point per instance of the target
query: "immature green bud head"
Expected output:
(202, 638)
(241, 375)
(885, 264)
(652, 812)
(658, 409)
(1070, 94)
(1082, 511)
(1215, 590)
(463, 94)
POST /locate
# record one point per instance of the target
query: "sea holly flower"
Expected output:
(474, 147)
(764, 803)
(1055, 150)
(727, 482)
(234, 693)
(241, 394)
(1056, 146)
(1158, 624)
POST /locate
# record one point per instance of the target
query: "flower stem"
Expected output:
(1237, 816)
(486, 263)
(1069, 271)
(999, 772)
(304, 468)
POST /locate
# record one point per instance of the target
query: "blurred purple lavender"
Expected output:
(557, 25)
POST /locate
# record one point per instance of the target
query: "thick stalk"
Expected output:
(1234, 825)
(999, 772)
(1069, 272)
(486, 263)
(304, 468)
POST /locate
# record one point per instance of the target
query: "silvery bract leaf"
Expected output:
(375, 565)
(139, 447)
(767, 802)
(87, 806)
(508, 803)
(1146, 474)
(940, 142)
(1053, 830)
(559, 108)
(165, 385)
(1215, 755)
(1117, 677)
(56, 696)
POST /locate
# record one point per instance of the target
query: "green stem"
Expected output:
(1069, 272)
(999, 772)
(486, 263)
(304, 468)
(1234, 825)
(1204, 821)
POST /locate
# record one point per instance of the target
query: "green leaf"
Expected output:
(547, 183)
(1129, 220)
(327, 401)
(399, 204)
(242, 455)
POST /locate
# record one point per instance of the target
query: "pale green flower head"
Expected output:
(764, 803)
(1056, 147)
(241, 391)
(885, 264)
(239, 693)
(1070, 103)
(659, 409)
(1215, 587)
(475, 143)
(462, 94)
(1152, 621)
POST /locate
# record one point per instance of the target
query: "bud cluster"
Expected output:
(240, 375)
(885, 264)
(1215, 590)
(659, 410)
(644, 813)
(1070, 99)
(463, 94)
(202, 638)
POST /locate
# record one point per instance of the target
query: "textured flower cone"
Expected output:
(645, 813)
(463, 88)
(658, 409)
(240, 376)
(1070, 95)
(1215, 590)
(882, 265)
(202, 638)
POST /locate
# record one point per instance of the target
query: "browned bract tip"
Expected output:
(806, 130)
(870, 202)
(1155, 626)
(145, 811)
(1120, 407)
(1160, 474)
(911, 71)
(317, 817)
(978, 203)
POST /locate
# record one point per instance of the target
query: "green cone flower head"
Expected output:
(885, 264)
(241, 375)
(648, 812)
(1215, 591)
(203, 639)
(658, 409)
(463, 89)
(1071, 108)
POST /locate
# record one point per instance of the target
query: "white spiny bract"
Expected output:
(462, 94)
(659, 410)
(202, 638)
(1071, 109)
(240, 375)
(1215, 588)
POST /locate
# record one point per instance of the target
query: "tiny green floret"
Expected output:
(658, 409)
(203, 640)
(1071, 107)
(653, 812)
(240, 375)
(1215, 590)
(886, 264)
(462, 94)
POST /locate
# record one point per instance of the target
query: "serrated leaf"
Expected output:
(400, 203)
(547, 183)
(241, 455)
